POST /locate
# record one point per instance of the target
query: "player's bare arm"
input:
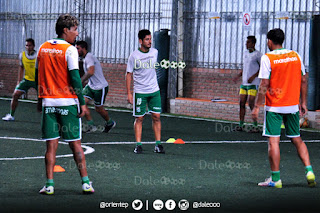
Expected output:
(253, 77)
(303, 96)
(88, 74)
(263, 88)
(20, 74)
(235, 79)
(128, 86)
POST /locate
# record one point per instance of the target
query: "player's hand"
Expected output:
(130, 98)
(39, 105)
(255, 113)
(84, 110)
(251, 79)
(303, 110)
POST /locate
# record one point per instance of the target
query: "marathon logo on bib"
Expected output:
(285, 60)
(51, 51)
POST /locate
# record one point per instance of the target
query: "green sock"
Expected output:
(309, 169)
(109, 122)
(255, 123)
(49, 182)
(12, 112)
(85, 180)
(158, 142)
(91, 123)
(241, 123)
(139, 143)
(275, 176)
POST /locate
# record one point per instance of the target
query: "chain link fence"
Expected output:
(219, 43)
(110, 27)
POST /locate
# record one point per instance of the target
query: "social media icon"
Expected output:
(157, 204)
(170, 204)
(102, 205)
(183, 204)
(137, 204)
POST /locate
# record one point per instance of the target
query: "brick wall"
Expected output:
(202, 83)
(9, 76)
(114, 73)
(317, 121)
(205, 108)
(200, 86)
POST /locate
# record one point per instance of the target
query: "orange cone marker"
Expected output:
(58, 168)
(179, 141)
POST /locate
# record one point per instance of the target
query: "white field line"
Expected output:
(152, 142)
(163, 114)
(88, 149)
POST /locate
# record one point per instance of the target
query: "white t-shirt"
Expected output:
(264, 73)
(251, 65)
(142, 65)
(97, 81)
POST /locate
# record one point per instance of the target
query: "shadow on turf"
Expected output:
(284, 185)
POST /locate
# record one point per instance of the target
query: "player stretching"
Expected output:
(283, 83)
(250, 81)
(96, 89)
(60, 92)
(27, 61)
(145, 89)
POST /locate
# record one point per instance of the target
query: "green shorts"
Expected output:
(273, 121)
(153, 100)
(98, 96)
(248, 90)
(25, 85)
(61, 121)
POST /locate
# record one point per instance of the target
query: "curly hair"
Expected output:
(65, 21)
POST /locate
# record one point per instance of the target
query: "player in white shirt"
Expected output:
(250, 81)
(96, 89)
(146, 92)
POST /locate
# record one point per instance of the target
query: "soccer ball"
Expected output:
(304, 122)
(182, 65)
(174, 65)
(165, 63)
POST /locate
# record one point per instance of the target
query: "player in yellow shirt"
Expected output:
(283, 85)
(26, 79)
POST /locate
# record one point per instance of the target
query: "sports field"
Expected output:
(215, 165)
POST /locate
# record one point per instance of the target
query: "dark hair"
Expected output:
(65, 21)
(143, 33)
(82, 44)
(30, 40)
(252, 39)
(276, 36)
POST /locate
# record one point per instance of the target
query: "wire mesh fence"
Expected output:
(111, 26)
(205, 34)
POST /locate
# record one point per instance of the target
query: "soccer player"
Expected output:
(27, 61)
(283, 82)
(141, 66)
(60, 91)
(97, 87)
(250, 81)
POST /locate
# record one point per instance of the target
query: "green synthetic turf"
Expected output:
(225, 173)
